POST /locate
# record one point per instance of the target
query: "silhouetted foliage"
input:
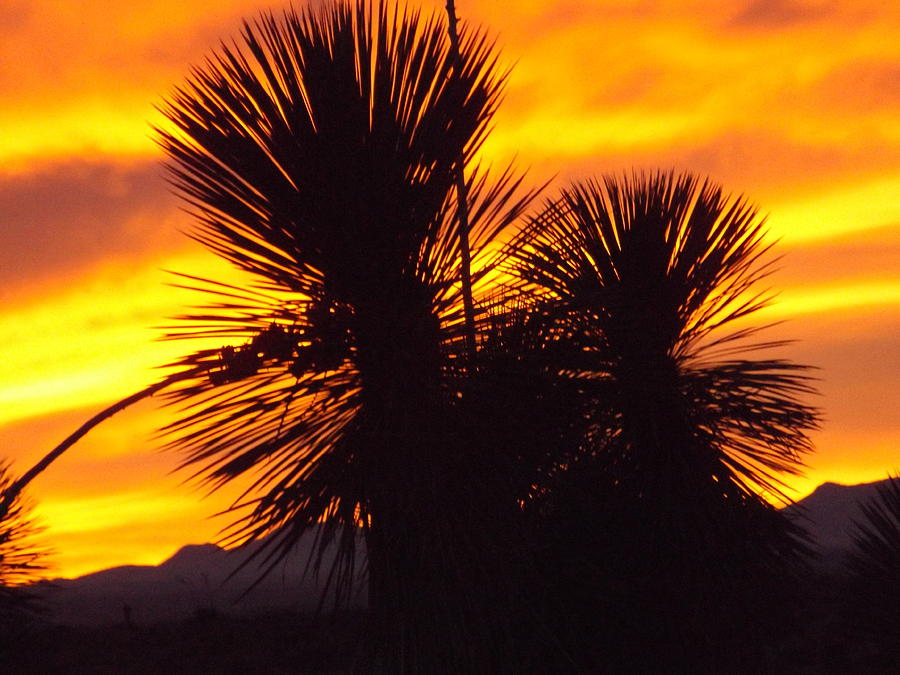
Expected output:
(21, 559)
(656, 515)
(319, 156)
(874, 566)
(587, 493)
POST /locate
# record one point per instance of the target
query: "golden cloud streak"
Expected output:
(838, 211)
(93, 342)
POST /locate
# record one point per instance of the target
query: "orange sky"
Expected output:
(793, 102)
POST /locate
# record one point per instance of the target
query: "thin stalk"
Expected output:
(462, 205)
(13, 491)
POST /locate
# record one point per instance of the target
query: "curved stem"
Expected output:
(13, 491)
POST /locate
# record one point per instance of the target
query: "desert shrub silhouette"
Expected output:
(660, 535)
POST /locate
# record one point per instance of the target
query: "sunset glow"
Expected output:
(793, 103)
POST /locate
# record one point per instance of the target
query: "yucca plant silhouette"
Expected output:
(319, 156)
(637, 282)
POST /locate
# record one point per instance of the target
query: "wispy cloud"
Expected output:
(63, 218)
(780, 14)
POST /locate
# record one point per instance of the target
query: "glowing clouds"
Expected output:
(795, 103)
(91, 343)
(839, 211)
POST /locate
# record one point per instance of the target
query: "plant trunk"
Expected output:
(462, 207)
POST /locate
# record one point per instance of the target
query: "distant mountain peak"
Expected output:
(192, 552)
(197, 576)
(829, 487)
(828, 513)
(834, 484)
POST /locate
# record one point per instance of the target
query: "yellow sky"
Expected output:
(795, 103)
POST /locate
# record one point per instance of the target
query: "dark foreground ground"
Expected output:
(275, 643)
(823, 640)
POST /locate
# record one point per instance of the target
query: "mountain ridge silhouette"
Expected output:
(829, 512)
(200, 578)
(197, 579)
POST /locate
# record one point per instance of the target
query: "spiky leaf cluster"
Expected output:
(639, 287)
(21, 558)
(638, 281)
(318, 156)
